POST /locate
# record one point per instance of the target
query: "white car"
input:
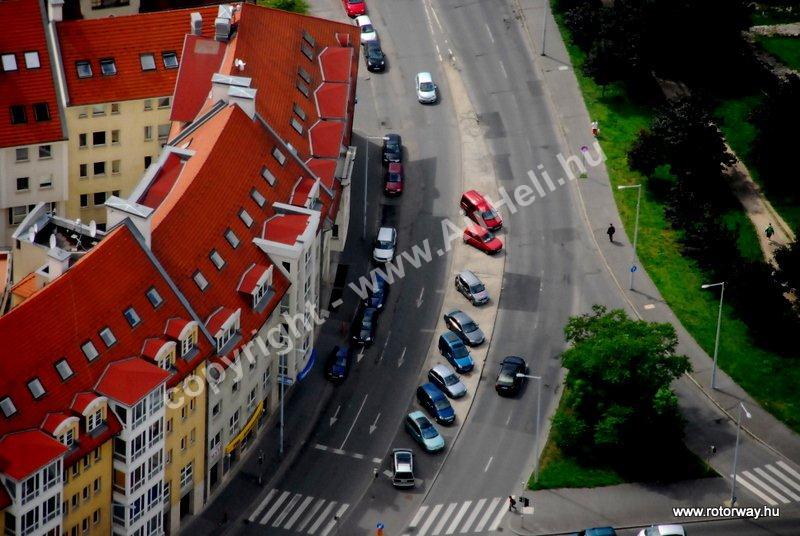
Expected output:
(385, 244)
(663, 530)
(368, 33)
(426, 89)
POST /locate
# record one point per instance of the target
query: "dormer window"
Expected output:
(108, 67)
(95, 420)
(148, 62)
(167, 360)
(7, 407)
(68, 437)
(108, 337)
(18, 115)
(170, 60)
(189, 342)
(84, 69)
(32, 60)
(63, 369)
(41, 111)
(36, 389)
(89, 350)
(228, 332)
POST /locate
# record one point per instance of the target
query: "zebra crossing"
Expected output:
(772, 483)
(298, 513)
(473, 516)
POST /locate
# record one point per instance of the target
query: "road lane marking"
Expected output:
(496, 523)
(488, 464)
(335, 415)
(489, 32)
(423, 530)
(503, 68)
(325, 513)
(463, 510)
(777, 484)
(784, 477)
(421, 294)
(354, 421)
(286, 509)
(756, 491)
(332, 522)
(789, 470)
(472, 516)
(300, 509)
(402, 358)
(509, 418)
(440, 525)
(310, 516)
(384, 348)
(418, 517)
(374, 425)
(750, 476)
(436, 18)
(275, 506)
(487, 514)
(261, 506)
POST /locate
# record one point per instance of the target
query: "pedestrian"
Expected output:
(610, 232)
(769, 232)
(595, 128)
(224, 517)
(260, 457)
(512, 504)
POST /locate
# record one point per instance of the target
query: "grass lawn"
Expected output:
(786, 49)
(767, 14)
(769, 378)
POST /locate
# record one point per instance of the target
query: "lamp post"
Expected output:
(544, 26)
(538, 415)
(736, 450)
(366, 182)
(719, 323)
(636, 226)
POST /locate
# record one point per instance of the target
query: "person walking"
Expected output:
(512, 504)
(769, 232)
(610, 232)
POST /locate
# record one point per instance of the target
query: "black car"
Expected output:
(508, 383)
(337, 365)
(373, 56)
(392, 148)
(364, 326)
(377, 296)
(465, 327)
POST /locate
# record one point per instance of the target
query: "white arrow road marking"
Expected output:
(360, 355)
(488, 464)
(335, 416)
(354, 421)
(374, 425)
(384, 348)
(419, 299)
(402, 358)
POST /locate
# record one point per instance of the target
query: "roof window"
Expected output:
(170, 60)
(108, 337)
(232, 239)
(279, 156)
(8, 407)
(41, 112)
(297, 125)
(32, 60)
(154, 297)
(63, 369)
(217, 259)
(303, 88)
(268, 176)
(304, 75)
(108, 67)
(246, 218)
(131, 316)
(9, 62)
(36, 389)
(299, 111)
(200, 280)
(89, 350)
(257, 197)
(307, 50)
(308, 39)
(84, 69)
(18, 114)
(148, 62)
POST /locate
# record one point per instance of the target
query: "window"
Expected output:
(75, 498)
(96, 485)
(251, 397)
(114, 108)
(96, 517)
(84, 200)
(308, 39)
(99, 138)
(18, 115)
(89, 350)
(83, 112)
(170, 60)
(186, 475)
(233, 422)
(36, 389)
(217, 259)
(99, 198)
(46, 182)
(232, 239)
(192, 404)
(307, 50)
(168, 457)
(23, 184)
(265, 381)
(115, 137)
(98, 109)
(97, 454)
(95, 420)
(17, 214)
(68, 437)
(131, 316)
(200, 280)
(148, 62)
(63, 369)
(154, 297)
(45, 151)
(32, 60)
(30, 488)
(163, 102)
(148, 133)
(29, 522)
(99, 168)
(268, 176)
(296, 125)
(279, 156)
(82, 140)
(50, 508)
(85, 493)
(83, 171)
(303, 88)
(115, 167)
(304, 75)
(9, 62)
(235, 386)
(191, 437)
(167, 489)
(216, 409)
(246, 218)
(147, 161)
(7, 407)
(21, 154)
(183, 443)
(163, 132)
(84, 69)
(299, 112)
(41, 112)
(108, 67)
(215, 441)
(257, 197)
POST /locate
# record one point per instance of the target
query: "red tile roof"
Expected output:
(301, 191)
(200, 59)
(336, 64)
(332, 100)
(25, 452)
(326, 138)
(124, 38)
(152, 346)
(325, 169)
(53, 420)
(285, 228)
(130, 380)
(163, 181)
(251, 277)
(82, 401)
(175, 326)
(23, 31)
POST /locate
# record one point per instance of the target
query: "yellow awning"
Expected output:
(251, 422)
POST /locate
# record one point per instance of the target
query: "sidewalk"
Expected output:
(598, 207)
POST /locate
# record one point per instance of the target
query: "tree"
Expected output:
(617, 391)
(788, 272)
(296, 6)
(774, 147)
(583, 21)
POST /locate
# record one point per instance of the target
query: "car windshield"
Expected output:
(477, 288)
(488, 215)
(392, 145)
(452, 379)
(441, 404)
(367, 28)
(426, 86)
(460, 351)
(394, 177)
(427, 429)
(355, 1)
(488, 237)
(403, 457)
(384, 244)
(375, 53)
(505, 377)
(469, 327)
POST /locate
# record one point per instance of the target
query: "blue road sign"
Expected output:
(380, 526)
(633, 268)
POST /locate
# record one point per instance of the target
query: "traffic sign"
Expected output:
(633, 268)
(381, 526)
(285, 380)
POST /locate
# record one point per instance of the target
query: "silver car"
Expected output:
(468, 284)
(465, 327)
(445, 378)
(403, 468)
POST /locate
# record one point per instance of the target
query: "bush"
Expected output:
(295, 6)
(774, 148)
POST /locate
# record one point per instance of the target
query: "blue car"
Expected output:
(433, 400)
(377, 296)
(424, 432)
(338, 364)
(456, 353)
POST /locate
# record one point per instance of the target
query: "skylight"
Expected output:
(9, 62)
(35, 387)
(256, 195)
(246, 218)
(32, 60)
(84, 69)
(108, 67)
(299, 111)
(268, 176)
(279, 156)
(63, 368)
(232, 239)
(200, 280)
(170, 60)
(304, 75)
(8, 407)
(89, 350)
(108, 337)
(154, 297)
(131, 316)
(148, 62)
(217, 259)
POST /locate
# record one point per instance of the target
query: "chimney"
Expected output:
(55, 10)
(222, 24)
(221, 83)
(119, 210)
(57, 263)
(196, 23)
(245, 98)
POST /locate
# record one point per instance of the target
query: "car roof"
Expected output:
(601, 531)
(417, 415)
(395, 167)
(460, 315)
(372, 44)
(424, 76)
(670, 530)
(477, 230)
(392, 136)
(432, 390)
(475, 196)
(386, 233)
(451, 338)
(361, 20)
(444, 370)
(513, 359)
(469, 277)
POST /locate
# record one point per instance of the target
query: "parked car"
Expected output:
(433, 400)
(477, 208)
(471, 287)
(482, 239)
(599, 531)
(424, 432)
(444, 377)
(364, 325)
(403, 468)
(451, 347)
(337, 366)
(373, 56)
(663, 530)
(368, 33)
(392, 148)
(508, 383)
(354, 8)
(426, 89)
(393, 182)
(385, 243)
(465, 327)
(378, 294)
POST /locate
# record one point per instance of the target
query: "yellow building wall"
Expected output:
(194, 451)
(129, 118)
(97, 500)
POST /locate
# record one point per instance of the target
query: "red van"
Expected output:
(479, 210)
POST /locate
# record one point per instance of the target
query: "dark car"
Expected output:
(392, 148)
(338, 364)
(378, 294)
(435, 403)
(364, 325)
(508, 383)
(373, 56)
(456, 353)
(598, 531)
(465, 327)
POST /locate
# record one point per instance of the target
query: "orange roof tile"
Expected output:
(326, 138)
(26, 286)
(200, 59)
(250, 279)
(130, 380)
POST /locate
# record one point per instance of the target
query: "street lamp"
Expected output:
(366, 182)
(719, 323)
(736, 450)
(538, 415)
(636, 227)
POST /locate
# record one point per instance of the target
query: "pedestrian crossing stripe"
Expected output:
(298, 513)
(772, 483)
(458, 518)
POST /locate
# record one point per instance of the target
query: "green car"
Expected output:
(424, 432)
